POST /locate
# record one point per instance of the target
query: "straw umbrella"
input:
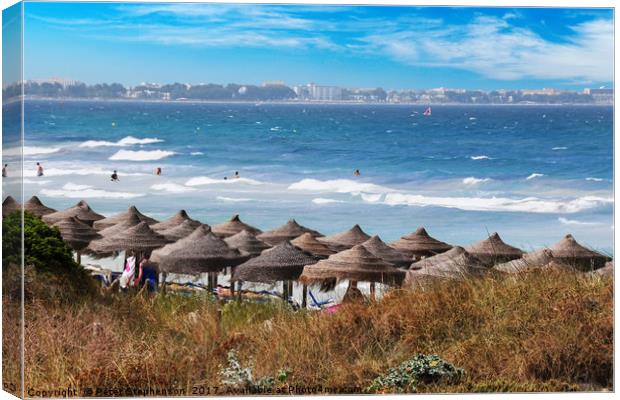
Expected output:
(569, 252)
(234, 226)
(537, 259)
(206, 254)
(284, 262)
(130, 220)
(494, 250)
(355, 264)
(81, 210)
(388, 254)
(420, 244)
(310, 244)
(36, 207)
(197, 234)
(456, 263)
(247, 242)
(77, 234)
(139, 238)
(286, 232)
(115, 219)
(9, 206)
(346, 240)
(180, 231)
(176, 219)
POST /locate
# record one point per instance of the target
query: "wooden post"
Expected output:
(285, 290)
(372, 291)
(239, 290)
(304, 296)
(163, 281)
(209, 282)
(78, 258)
(232, 283)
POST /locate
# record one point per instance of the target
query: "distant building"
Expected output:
(65, 83)
(543, 91)
(601, 95)
(318, 92)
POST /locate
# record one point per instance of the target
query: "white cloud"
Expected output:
(496, 49)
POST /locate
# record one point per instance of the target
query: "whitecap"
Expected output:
(232, 199)
(321, 201)
(533, 176)
(472, 118)
(566, 221)
(196, 153)
(35, 182)
(30, 151)
(275, 129)
(171, 187)
(594, 179)
(338, 186)
(474, 181)
(73, 186)
(528, 204)
(480, 157)
(205, 180)
(559, 148)
(141, 155)
(126, 141)
(74, 191)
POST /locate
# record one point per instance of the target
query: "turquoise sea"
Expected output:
(532, 173)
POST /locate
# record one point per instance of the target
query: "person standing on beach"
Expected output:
(114, 177)
(4, 170)
(39, 169)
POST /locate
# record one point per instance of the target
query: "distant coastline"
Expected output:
(291, 102)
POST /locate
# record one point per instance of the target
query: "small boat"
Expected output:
(428, 112)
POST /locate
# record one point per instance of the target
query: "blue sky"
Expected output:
(355, 46)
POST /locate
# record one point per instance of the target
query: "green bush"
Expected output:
(46, 252)
(43, 245)
(419, 369)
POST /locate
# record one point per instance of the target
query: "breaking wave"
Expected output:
(205, 180)
(338, 186)
(126, 141)
(141, 155)
(171, 188)
(73, 191)
(474, 181)
(320, 201)
(533, 176)
(483, 157)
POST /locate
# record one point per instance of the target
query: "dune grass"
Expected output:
(538, 331)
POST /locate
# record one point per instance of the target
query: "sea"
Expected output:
(530, 173)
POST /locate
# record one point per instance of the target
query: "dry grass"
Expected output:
(546, 331)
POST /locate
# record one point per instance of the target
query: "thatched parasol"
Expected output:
(286, 232)
(76, 233)
(180, 231)
(455, 263)
(81, 210)
(388, 254)
(137, 238)
(247, 242)
(420, 244)
(308, 243)
(493, 250)
(176, 219)
(536, 259)
(346, 240)
(234, 226)
(9, 206)
(122, 217)
(130, 221)
(568, 251)
(197, 234)
(206, 254)
(284, 262)
(36, 207)
(355, 264)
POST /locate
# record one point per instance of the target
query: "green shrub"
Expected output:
(419, 369)
(49, 255)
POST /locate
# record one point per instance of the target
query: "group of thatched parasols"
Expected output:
(293, 252)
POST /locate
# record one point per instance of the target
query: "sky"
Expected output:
(393, 47)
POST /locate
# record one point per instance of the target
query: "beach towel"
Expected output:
(128, 272)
